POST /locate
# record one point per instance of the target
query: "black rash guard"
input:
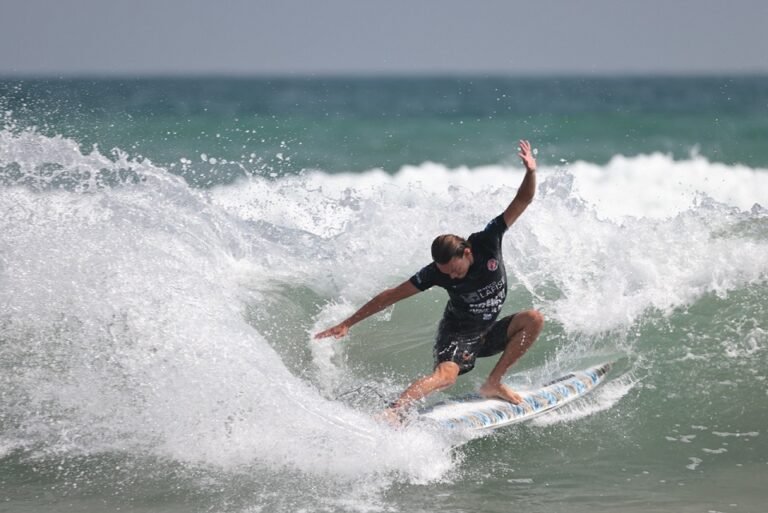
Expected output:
(475, 300)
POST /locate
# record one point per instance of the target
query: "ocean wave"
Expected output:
(153, 317)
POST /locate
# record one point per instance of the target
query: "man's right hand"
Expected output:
(337, 331)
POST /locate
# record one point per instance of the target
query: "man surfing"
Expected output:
(472, 271)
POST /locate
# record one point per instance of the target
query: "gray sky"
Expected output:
(75, 37)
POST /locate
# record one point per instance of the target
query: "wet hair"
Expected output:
(445, 247)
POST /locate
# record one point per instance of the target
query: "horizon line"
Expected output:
(306, 75)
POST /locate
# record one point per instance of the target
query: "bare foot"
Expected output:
(392, 416)
(500, 392)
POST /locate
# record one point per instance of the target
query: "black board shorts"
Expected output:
(465, 348)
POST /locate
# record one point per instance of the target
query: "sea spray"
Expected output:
(168, 326)
(123, 330)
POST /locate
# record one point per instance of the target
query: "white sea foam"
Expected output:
(8, 446)
(657, 186)
(614, 241)
(750, 434)
(122, 314)
(124, 308)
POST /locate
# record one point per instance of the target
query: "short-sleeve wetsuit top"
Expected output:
(476, 299)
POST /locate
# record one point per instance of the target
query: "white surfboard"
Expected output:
(473, 412)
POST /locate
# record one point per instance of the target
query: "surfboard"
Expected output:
(473, 412)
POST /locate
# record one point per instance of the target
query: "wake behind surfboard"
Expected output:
(473, 412)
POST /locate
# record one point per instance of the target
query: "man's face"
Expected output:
(457, 267)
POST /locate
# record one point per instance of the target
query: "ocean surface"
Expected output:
(168, 247)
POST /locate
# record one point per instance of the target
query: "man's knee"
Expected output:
(530, 322)
(535, 320)
(527, 319)
(446, 373)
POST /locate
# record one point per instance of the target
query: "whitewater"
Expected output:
(151, 331)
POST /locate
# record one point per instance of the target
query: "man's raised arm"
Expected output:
(527, 188)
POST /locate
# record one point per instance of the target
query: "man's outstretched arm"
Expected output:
(527, 188)
(378, 303)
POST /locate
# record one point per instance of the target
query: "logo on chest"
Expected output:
(493, 264)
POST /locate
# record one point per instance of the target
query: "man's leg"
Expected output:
(521, 334)
(444, 376)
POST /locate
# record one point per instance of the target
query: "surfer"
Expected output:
(472, 272)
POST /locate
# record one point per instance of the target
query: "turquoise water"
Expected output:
(353, 125)
(169, 246)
